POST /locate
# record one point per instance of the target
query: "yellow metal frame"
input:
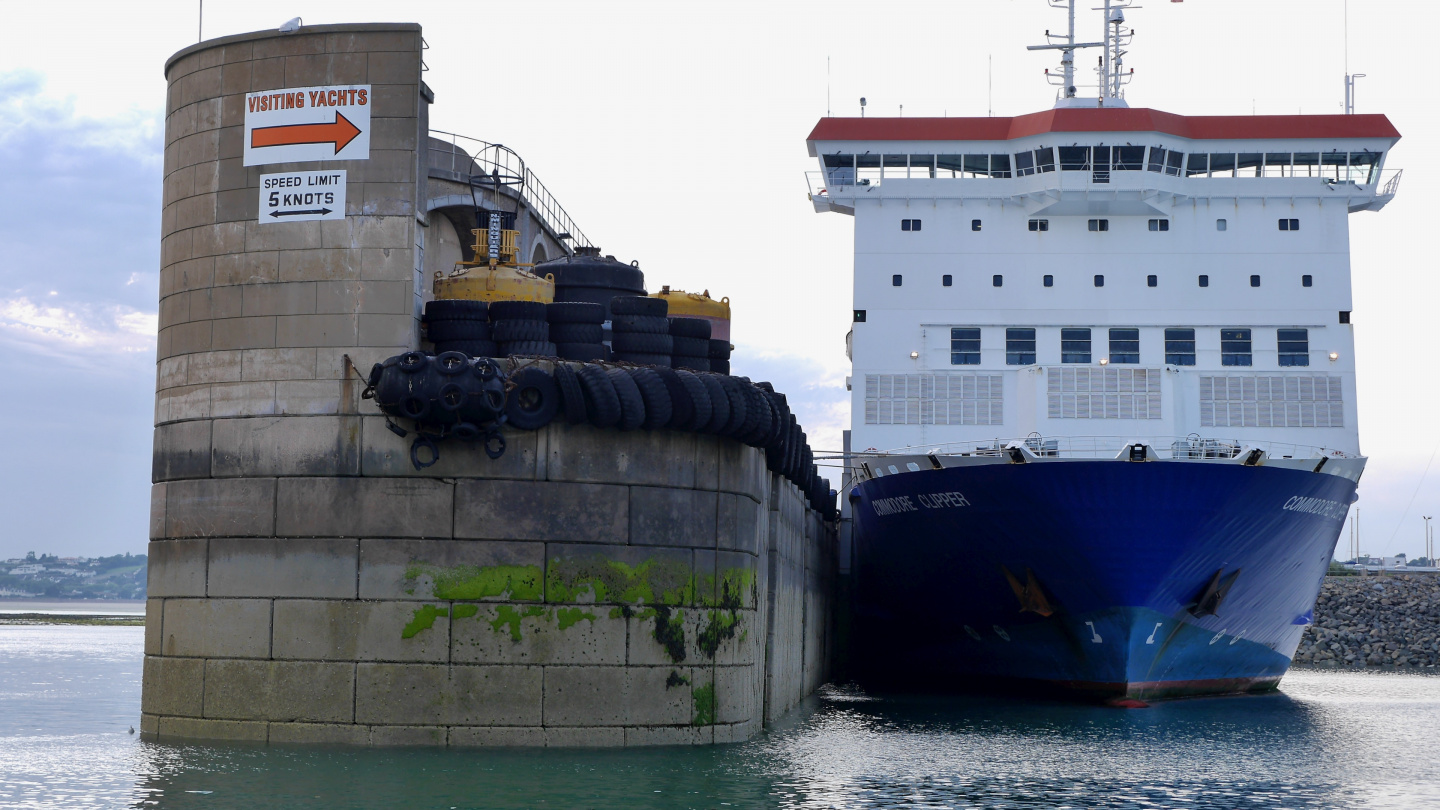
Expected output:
(509, 250)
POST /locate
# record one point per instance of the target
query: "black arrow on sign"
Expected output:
(321, 211)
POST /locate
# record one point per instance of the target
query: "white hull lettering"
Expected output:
(1317, 506)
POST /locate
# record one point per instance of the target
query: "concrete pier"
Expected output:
(307, 584)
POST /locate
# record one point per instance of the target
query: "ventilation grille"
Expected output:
(1103, 393)
(934, 399)
(1249, 400)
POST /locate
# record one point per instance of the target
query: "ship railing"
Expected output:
(1109, 447)
(474, 158)
(1390, 186)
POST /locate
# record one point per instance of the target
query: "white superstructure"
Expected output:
(1098, 270)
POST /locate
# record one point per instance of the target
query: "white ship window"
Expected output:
(1180, 346)
(922, 167)
(1204, 281)
(997, 281)
(1040, 160)
(1039, 224)
(1074, 158)
(1247, 400)
(946, 280)
(1099, 224)
(1254, 281)
(896, 280)
(1307, 281)
(1289, 224)
(1222, 165)
(1294, 346)
(1024, 164)
(965, 346)
(1235, 347)
(1075, 345)
(942, 398)
(1197, 164)
(1020, 346)
(1124, 345)
(1159, 224)
(1344, 316)
(1152, 281)
(909, 224)
(1220, 225)
(1099, 280)
(974, 224)
(839, 170)
(1128, 159)
(1103, 393)
(1049, 281)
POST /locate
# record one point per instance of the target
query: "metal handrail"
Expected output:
(1393, 184)
(1192, 446)
(497, 161)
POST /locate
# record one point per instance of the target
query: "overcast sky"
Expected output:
(674, 134)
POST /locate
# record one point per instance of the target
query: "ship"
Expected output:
(1104, 409)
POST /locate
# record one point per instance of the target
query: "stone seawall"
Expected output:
(588, 588)
(1374, 621)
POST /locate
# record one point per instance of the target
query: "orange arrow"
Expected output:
(340, 133)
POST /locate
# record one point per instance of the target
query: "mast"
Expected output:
(1067, 46)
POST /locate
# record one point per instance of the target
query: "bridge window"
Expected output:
(1128, 159)
(909, 224)
(1075, 345)
(1180, 347)
(1020, 346)
(1099, 280)
(1074, 158)
(974, 224)
(1307, 280)
(1152, 281)
(1294, 346)
(1204, 281)
(922, 167)
(1049, 281)
(1039, 224)
(896, 280)
(1099, 224)
(965, 346)
(946, 280)
(839, 170)
(1235, 347)
(1159, 224)
(1125, 345)
(997, 281)
(1289, 224)
(1254, 281)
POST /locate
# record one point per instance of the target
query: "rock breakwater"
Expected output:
(1374, 621)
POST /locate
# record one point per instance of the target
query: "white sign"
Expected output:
(307, 123)
(302, 196)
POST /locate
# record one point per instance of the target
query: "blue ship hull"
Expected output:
(1111, 578)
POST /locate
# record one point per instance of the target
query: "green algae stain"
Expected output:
(654, 581)
(508, 616)
(569, 617)
(704, 697)
(676, 679)
(464, 611)
(670, 632)
(471, 582)
(733, 588)
(423, 619)
(721, 627)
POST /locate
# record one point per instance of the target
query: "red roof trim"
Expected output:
(1204, 127)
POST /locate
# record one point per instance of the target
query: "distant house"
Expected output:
(23, 570)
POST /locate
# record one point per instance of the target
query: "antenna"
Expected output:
(862, 106)
(827, 87)
(200, 26)
(1067, 45)
(990, 85)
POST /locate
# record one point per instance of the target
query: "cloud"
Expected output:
(58, 330)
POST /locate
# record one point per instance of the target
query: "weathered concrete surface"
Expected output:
(308, 585)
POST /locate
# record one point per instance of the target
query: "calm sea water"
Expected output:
(68, 695)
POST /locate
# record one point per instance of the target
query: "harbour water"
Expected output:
(69, 695)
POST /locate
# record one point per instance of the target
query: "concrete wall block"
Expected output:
(154, 616)
(231, 175)
(541, 510)
(292, 45)
(242, 399)
(737, 732)
(282, 235)
(236, 207)
(618, 575)
(217, 628)
(664, 516)
(171, 372)
(668, 735)
(616, 696)
(375, 232)
(174, 309)
(388, 264)
(316, 398)
(581, 453)
(191, 402)
(364, 507)
(266, 567)
(317, 330)
(394, 133)
(319, 265)
(469, 570)
(737, 580)
(236, 507)
(707, 461)
(187, 338)
(310, 70)
(213, 367)
(504, 737)
(394, 330)
(401, 67)
(647, 648)
(361, 631)
(157, 511)
(278, 364)
(278, 445)
(285, 298)
(244, 333)
(731, 637)
(213, 303)
(319, 734)
(267, 74)
(740, 523)
(394, 100)
(584, 737)
(172, 686)
(283, 691)
(534, 634)
(384, 199)
(382, 453)
(235, 77)
(742, 470)
(430, 694)
(255, 267)
(193, 274)
(414, 736)
(149, 725)
(366, 41)
(187, 728)
(175, 568)
(181, 450)
(353, 296)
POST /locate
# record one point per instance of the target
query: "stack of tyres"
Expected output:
(520, 328)
(720, 356)
(690, 339)
(459, 326)
(587, 276)
(640, 330)
(577, 329)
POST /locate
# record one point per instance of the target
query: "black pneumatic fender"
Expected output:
(485, 389)
(534, 400)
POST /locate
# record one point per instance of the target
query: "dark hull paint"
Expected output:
(1121, 552)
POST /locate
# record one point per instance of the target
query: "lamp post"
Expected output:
(1429, 546)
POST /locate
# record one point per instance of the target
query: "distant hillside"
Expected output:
(53, 577)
